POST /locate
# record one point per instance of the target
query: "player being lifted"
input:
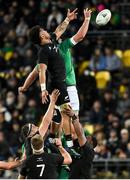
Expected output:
(64, 50)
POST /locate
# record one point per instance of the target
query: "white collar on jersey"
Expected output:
(39, 151)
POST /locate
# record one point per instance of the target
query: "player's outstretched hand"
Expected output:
(21, 89)
(72, 15)
(44, 96)
(58, 142)
(54, 96)
(87, 13)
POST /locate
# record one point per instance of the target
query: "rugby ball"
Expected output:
(103, 17)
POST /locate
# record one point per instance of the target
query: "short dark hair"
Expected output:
(25, 131)
(37, 142)
(33, 35)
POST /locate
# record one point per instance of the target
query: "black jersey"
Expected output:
(42, 166)
(83, 165)
(49, 54)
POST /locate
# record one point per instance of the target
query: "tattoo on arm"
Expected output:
(61, 28)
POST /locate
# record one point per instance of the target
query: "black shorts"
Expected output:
(61, 86)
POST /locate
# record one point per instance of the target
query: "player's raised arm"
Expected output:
(63, 26)
(46, 120)
(84, 27)
(29, 80)
(77, 126)
(42, 78)
(64, 153)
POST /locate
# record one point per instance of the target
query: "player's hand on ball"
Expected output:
(22, 89)
(44, 96)
(55, 94)
(87, 14)
(72, 15)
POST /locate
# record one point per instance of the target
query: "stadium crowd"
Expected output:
(106, 110)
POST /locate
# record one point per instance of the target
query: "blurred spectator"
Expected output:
(87, 89)
(109, 103)
(96, 114)
(113, 142)
(21, 46)
(10, 101)
(128, 150)
(4, 147)
(30, 113)
(112, 61)
(124, 139)
(104, 152)
(98, 61)
(14, 138)
(124, 103)
(54, 19)
(21, 28)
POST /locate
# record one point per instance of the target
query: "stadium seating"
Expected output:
(102, 79)
(126, 58)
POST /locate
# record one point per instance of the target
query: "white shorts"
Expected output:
(73, 96)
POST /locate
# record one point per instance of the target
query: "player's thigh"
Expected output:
(74, 99)
(63, 97)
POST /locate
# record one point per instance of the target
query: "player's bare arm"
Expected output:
(29, 80)
(84, 28)
(77, 126)
(63, 26)
(42, 78)
(64, 153)
(46, 120)
(10, 165)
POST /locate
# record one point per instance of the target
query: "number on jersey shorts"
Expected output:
(73, 96)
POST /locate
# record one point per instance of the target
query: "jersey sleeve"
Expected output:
(59, 159)
(88, 151)
(67, 44)
(42, 57)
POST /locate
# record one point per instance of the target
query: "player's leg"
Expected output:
(55, 125)
(74, 101)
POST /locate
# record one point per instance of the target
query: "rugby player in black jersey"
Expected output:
(49, 59)
(81, 168)
(42, 165)
(29, 130)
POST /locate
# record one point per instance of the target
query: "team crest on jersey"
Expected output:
(39, 159)
(55, 48)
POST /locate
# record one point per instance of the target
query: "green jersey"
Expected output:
(64, 49)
